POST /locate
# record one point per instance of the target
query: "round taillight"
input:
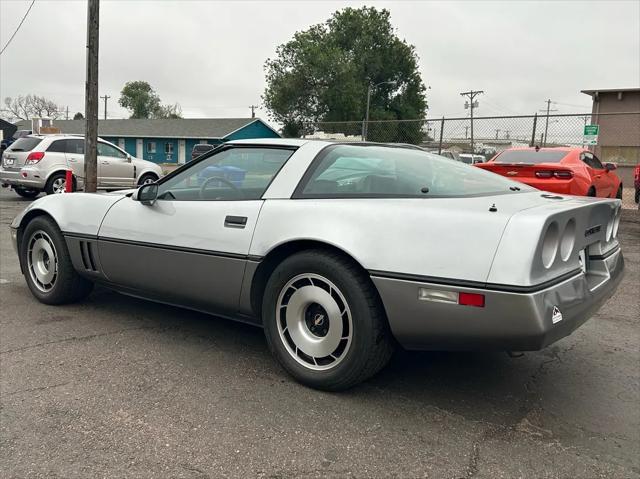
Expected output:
(568, 240)
(550, 244)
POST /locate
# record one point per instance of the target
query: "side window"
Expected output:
(592, 161)
(58, 146)
(596, 162)
(75, 146)
(109, 150)
(231, 174)
(151, 147)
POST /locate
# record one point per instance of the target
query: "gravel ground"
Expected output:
(120, 387)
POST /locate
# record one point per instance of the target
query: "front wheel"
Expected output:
(592, 191)
(619, 193)
(324, 321)
(47, 265)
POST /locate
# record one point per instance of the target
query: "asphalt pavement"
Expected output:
(120, 387)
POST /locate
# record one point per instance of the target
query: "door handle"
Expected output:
(104, 162)
(72, 160)
(598, 176)
(235, 221)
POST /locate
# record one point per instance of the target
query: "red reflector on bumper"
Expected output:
(471, 299)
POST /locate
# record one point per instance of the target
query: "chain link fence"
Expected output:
(618, 137)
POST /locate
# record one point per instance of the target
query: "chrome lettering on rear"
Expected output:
(592, 230)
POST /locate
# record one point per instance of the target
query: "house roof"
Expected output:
(609, 90)
(200, 128)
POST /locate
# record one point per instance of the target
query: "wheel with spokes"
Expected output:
(147, 179)
(47, 265)
(324, 321)
(56, 184)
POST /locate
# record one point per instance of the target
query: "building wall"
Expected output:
(619, 136)
(254, 130)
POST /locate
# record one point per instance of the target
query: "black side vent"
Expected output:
(87, 255)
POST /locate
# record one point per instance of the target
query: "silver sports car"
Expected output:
(340, 251)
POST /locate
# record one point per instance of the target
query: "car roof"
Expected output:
(547, 148)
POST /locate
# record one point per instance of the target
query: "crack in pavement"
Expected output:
(73, 338)
(31, 390)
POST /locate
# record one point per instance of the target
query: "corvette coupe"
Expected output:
(339, 251)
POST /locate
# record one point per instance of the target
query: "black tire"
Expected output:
(592, 191)
(146, 177)
(370, 345)
(52, 182)
(619, 193)
(25, 193)
(67, 285)
(637, 198)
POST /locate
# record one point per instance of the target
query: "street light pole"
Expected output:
(365, 131)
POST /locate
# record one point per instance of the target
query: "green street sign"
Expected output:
(591, 130)
(590, 134)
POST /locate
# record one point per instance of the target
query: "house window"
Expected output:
(151, 147)
(168, 149)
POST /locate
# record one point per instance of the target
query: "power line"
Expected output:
(19, 25)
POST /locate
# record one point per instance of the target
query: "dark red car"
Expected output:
(636, 182)
(570, 171)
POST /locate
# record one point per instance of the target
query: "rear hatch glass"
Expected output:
(531, 157)
(15, 156)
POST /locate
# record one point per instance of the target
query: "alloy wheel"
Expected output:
(42, 261)
(314, 321)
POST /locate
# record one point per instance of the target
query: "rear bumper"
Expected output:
(15, 178)
(511, 321)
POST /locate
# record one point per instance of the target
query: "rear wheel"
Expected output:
(56, 184)
(47, 265)
(324, 321)
(26, 193)
(619, 193)
(591, 192)
(637, 198)
(147, 178)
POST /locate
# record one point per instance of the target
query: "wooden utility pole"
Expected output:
(105, 98)
(471, 105)
(91, 99)
(546, 123)
(253, 110)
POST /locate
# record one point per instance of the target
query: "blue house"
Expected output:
(171, 141)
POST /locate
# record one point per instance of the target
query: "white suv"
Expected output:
(38, 163)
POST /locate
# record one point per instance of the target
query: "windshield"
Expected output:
(530, 156)
(369, 171)
(24, 144)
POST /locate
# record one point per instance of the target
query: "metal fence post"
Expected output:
(533, 134)
(441, 133)
(363, 133)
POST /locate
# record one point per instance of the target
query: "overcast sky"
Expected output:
(208, 56)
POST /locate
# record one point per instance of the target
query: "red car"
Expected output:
(636, 182)
(570, 171)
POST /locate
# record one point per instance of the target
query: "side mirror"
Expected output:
(610, 166)
(146, 194)
(128, 158)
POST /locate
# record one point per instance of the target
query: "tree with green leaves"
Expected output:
(325, 72)
(142, 101)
